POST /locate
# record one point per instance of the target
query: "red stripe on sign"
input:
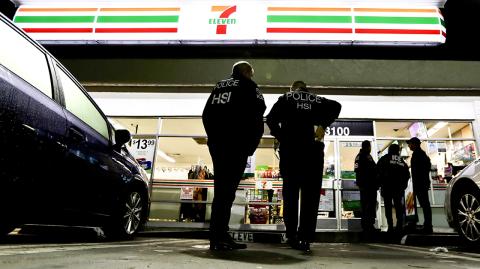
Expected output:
(311, 30)
(136, 30)
(397, 31)
(58, 30)
(444, 34)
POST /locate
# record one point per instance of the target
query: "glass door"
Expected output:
(348, 191)
(339, 207)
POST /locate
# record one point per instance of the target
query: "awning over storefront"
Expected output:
(398, 22)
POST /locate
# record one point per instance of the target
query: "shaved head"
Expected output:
(298, 85)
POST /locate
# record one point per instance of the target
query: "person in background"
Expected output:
(421, 165)
(393, 175)
(366, 178)
(298, 121)
(233, 120)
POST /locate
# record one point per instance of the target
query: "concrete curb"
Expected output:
(320, 237)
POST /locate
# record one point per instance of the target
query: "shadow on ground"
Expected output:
(249, 256)
(53, 235)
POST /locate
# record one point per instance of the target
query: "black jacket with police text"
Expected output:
(233, 114)
(366, 171)
(393, 173)
(421, 165)
(293, 117)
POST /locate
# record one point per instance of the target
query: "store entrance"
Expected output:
(339, 207)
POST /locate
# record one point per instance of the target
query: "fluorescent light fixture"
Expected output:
(436, 127)
(163, 155)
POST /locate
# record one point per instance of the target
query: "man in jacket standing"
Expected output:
(233, 120)
(366, 178)
(393, 176)
(421, 165)
(292, 122)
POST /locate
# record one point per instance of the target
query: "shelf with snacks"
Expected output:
(264, 203)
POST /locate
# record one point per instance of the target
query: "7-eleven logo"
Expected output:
(224, 19)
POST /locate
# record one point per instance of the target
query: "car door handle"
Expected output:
(76, 135)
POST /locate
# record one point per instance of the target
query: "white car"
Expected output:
(462, 203)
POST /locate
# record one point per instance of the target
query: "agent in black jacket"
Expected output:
(421, 166)
(233, 120)
(366, 178)
(393, 176)
(292, 122)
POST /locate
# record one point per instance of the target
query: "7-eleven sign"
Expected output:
(223, 19)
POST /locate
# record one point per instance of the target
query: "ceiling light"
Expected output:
(436, 127)
(163, 155)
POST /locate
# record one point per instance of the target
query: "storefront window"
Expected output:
(182, 126)
(183, 171)
(183, 178)
(424, 129)
(136, 126)
(450, 146)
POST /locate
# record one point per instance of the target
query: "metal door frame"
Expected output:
(337, 181)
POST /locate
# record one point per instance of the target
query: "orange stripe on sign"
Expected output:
(29, 9)
(395, 10)
(219, 8)
(306, 9)
(142, 9)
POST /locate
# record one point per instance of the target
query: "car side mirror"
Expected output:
(122, 136)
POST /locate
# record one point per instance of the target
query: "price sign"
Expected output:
(143, 151)
(143, 143)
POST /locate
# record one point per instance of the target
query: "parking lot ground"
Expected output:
(74, 250)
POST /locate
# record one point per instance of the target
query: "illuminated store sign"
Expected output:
(238, 22)
(224, 18)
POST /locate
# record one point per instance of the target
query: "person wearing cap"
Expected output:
(366, 179)
(393, 176)
(233, 121)
(421, 166)
(298, 121)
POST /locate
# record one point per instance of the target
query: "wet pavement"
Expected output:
(84, 249)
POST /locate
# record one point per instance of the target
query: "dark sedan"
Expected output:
(61, 161)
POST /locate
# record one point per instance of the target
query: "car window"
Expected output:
(78, 103)
(24, 59)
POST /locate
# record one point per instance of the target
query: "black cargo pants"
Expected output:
(301, 170)
(228, 165)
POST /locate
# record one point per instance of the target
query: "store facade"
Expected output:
(161, 100)
(183, 188)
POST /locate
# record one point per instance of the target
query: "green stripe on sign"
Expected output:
(107, 19)
(309, 19)
(396, 20)
(55, 19)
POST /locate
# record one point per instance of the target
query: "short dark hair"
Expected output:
(298, 85)
(366, 144)
(414, 141)
(394, 149)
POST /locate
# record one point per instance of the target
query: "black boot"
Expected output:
(294, 243)
(225, 243)
(305, 247)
